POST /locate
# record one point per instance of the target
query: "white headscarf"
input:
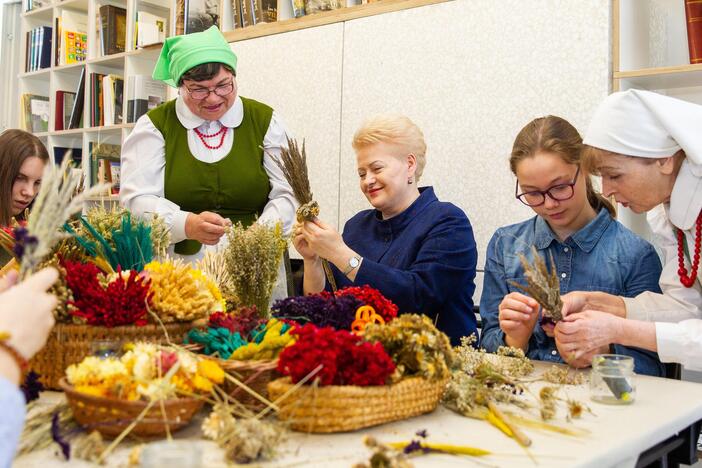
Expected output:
(649, 125)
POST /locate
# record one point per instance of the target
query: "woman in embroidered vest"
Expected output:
(419, 252)
(205, 159)
(648, 150)
(22, 160)
(575, 225)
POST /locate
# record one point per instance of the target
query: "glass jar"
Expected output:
(105, 348)
(612, 379)
(173, 454)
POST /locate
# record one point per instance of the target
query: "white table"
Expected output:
(618, 435)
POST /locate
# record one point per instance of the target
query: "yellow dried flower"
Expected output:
(210, 370)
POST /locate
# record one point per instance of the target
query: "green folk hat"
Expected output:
(181, 53)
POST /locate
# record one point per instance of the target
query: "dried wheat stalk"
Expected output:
(542, 285)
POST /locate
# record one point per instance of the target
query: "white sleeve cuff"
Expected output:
(178, 226)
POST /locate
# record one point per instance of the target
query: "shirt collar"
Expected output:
(586, 238)
(397, 223)
(232, 118)
(686, 197)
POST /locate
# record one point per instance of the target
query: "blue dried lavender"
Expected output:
(319, 309)
(22, 240)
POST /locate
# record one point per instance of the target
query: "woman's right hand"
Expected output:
(301, 244)
(518, 315)
(206, 227)
(26, 311)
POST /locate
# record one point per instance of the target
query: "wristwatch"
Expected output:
(352, 264)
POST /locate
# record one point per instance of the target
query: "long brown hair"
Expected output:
(15, 147)
(556, 135)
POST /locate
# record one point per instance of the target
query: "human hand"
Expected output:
(518, 314)
(324, 240)
(301, 244)
(573, 302)
(26, 312)
(206, 227)
(580, 336)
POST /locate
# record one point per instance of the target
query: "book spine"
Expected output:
(236, 13)
(246, 19)
(58, 111)
(693, 14)
(256, 11)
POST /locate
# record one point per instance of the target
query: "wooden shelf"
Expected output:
(72, 131)
(326, 17)
(80, 5)
(69, 66)
(35, 73)
(45, 13)
(680, 76)
(108, 128)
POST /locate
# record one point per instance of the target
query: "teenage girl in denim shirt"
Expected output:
(592, 251)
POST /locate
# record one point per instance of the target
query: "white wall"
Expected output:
(470, 73)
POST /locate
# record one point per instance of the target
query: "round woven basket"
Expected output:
(111, 416)
(337, 408)
(69, 344)
(254, 374)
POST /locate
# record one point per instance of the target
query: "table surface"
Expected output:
(618, 434)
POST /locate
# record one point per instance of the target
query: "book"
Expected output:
(112, 87)
(77, 110)
(113, 29)
(72, 37)
(236, 14)
(101, 154)
(62, 110)
(693, 15)
(246, 14)
(151, 29)
(298, 7)
(36, 113)
(180, 17)
(76, 155)
(266, 11)
(315, 6)
(200, 15)
(115, 172)
(143, 94)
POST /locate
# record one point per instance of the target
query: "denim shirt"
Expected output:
(602, 256)
(424, 260)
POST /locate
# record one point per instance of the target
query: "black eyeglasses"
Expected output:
(560, 192)
(203, 93)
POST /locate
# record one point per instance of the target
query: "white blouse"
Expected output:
(143, 166)
(678, 311)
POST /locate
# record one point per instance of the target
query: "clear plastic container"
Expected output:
(105, 348)
(612, 379)
(174, 454)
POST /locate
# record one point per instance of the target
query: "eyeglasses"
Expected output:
(203, 93)
(560, 192)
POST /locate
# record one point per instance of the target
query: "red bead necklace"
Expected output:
(688, 281)
(222, 131)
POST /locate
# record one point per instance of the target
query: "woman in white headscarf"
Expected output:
(648, 149)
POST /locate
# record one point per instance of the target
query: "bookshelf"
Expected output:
(650, 51)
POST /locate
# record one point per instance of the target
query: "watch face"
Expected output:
(353, 262)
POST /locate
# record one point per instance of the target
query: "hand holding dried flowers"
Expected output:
(253, 257)
(542, 285)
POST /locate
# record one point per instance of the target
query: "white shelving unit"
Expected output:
(649, 51)
(47, 81)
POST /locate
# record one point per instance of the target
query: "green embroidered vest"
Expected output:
(236, 187)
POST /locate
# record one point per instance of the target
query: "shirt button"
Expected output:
(554, 352)
(565, 249)
(563, 275)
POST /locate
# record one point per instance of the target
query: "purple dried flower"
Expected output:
(22, 240)
(31, 387)
(321, 310)
(56, 436)
(422, 433)
(415, 446)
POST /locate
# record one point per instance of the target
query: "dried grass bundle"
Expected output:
(542, 285)
(253, 257)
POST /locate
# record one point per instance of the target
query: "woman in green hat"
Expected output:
(207, 158)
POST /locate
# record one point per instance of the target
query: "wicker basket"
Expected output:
(347, 408)
(69, 344)
(254, 374)
(111, 416)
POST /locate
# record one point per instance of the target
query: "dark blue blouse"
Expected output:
(423, 260)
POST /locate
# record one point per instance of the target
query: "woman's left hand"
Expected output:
(323, 239)
(578, 335)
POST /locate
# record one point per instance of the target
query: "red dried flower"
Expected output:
(123, 302)
(345, 358)
(243, 320)
(372, 297)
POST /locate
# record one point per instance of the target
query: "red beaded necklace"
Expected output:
(222, 131)
(688, 281)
